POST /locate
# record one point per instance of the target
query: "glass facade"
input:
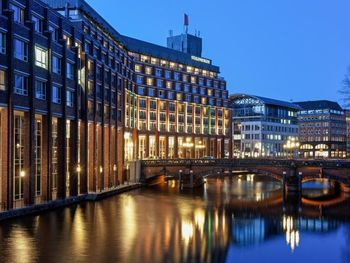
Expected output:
(261, 127)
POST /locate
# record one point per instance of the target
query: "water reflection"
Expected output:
(233, 219)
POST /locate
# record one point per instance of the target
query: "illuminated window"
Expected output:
(193, 80)
(41, 57)
(145, 59)
(148, 70)
(179, 96)
(154, 61)
(38, 156)
(149, 81)
(169, 84)
(138, 68)
(68, 40)
(152, 146)
(2, 79)
(18, 151)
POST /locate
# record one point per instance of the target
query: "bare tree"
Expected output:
(345, 91)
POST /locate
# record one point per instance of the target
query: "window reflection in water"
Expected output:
(165, 224)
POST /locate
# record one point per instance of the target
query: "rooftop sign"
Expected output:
(203, 60)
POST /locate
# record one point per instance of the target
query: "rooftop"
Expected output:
(268, 101)
(132, 44)
(147, 48)
(319, 105)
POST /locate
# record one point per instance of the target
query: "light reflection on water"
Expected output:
(240, 219)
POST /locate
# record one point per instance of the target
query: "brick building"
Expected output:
(78, 100)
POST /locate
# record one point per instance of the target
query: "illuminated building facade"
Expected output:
(323, 129)
(178, 107)
(70, 99)
(262, 127)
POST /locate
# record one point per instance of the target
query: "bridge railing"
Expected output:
(247, 162)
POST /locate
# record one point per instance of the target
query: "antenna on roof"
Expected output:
(171, 32)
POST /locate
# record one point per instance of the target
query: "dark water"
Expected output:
(231, 220)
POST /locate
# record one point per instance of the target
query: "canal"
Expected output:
(240, 219)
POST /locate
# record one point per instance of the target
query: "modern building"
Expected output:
(347, 117)
(263, 127)
(178, 107)
(322, 129)
(78, 100)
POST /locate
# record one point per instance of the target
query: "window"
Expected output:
(21, 85)
(38, 156)
(21, 50)
(70, 97)
(54, 33)
(18, 154)
(40, 90)
(56, 65)
(2, 43)
(18, 13)
(41, 57)
(139, 79)
(159, 83)
(2, 79)
(149, 81)
(138, 68)
(56, 94)
(67, 39)
(70, 71)
(38, 24)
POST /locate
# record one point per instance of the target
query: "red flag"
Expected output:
(186, 21)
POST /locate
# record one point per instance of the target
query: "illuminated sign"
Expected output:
(203, 60)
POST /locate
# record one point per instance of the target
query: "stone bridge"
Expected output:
(289, 171)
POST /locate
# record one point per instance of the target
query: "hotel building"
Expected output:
(179, 105)
(78, 101)
(323, 129)
(263, 127)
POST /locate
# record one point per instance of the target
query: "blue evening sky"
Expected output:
(283, 49)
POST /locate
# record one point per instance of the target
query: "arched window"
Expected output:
(321, 147)
(306, 147)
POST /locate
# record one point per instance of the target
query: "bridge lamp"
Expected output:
(78, 168)
(101, 169)
(22, 174)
